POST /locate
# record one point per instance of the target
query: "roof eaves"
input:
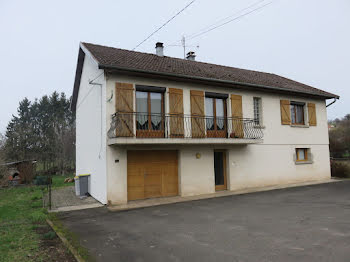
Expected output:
(77, 78)
(328, 96)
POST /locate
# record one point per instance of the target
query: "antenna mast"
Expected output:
(183, 41)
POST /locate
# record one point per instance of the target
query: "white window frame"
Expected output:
(259, 111)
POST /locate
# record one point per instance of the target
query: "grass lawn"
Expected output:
(58, 181)
(24, 234)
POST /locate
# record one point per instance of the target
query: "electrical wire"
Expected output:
(223, 19)
(85, 97)
(183, 9)
(210, 26)
(91, 83)
(236, 18)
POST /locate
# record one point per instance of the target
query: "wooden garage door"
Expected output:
(152, 174)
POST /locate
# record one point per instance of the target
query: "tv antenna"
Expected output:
(183, 45)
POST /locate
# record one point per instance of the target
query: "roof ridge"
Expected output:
(183, 60)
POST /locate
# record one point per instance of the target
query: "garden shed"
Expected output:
(20, 172)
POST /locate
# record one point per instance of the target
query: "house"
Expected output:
(148, 125)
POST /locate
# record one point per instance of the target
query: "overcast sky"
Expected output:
(305, 40)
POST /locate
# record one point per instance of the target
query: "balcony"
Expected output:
(142, 128)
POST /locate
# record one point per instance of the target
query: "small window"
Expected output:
(297, 113)
(257, 110)
(301, 154)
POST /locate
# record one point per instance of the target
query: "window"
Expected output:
(257, 110)
(301, 154)
(215, 110)
(297, 113)
(149, 108)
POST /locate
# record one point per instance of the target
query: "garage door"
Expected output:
(152, 174)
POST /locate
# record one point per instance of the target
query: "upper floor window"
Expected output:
(149, 110)
(257, 111)
(297, 113)
(215, 111)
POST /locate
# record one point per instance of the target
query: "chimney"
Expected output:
(191, 56)
(159, 49)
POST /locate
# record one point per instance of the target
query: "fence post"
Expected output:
(50, 182)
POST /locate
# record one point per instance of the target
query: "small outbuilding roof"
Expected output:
(18, 162)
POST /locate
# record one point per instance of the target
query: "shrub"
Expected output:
(37, 216)
(36, 196)
(340, 169)
(49, 235)
(40, 180)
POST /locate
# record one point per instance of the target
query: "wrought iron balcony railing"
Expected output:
(182, 126)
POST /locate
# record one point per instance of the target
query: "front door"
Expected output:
(220, 170)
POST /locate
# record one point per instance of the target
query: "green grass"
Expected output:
(50, 235)
(58, 180)
(19, 242)
(21, 213)
(71, 237)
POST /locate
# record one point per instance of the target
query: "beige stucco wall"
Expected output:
(263, 165)
(197, 174)
(116, 175)
(268, 163)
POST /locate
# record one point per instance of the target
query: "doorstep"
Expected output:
(176, 199)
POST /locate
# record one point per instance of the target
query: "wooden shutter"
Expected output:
(176, 113)
(285, 112)
(237, 116)
(197, 114)
(312, 114)
(124, 104)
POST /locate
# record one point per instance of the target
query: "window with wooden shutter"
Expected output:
(285, 112)
(237, 116)
(312, 114)
(197, 114)
(124, 104)
(176, 113)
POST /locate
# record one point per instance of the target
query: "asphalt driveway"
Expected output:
(309, 223)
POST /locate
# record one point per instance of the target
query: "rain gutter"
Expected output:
(132, 70)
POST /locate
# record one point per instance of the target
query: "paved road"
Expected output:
(309, 223)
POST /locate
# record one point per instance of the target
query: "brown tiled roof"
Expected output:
(109, 57)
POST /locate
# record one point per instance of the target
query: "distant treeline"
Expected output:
(44, 130)
(339, 137)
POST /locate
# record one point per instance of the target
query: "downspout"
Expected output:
(335, 100)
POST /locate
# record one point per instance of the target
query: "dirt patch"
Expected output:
(51, 247)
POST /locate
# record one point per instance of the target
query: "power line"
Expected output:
(236, 18)
(164, 24)
(223, 19)
(210, 26)
(88, 93)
